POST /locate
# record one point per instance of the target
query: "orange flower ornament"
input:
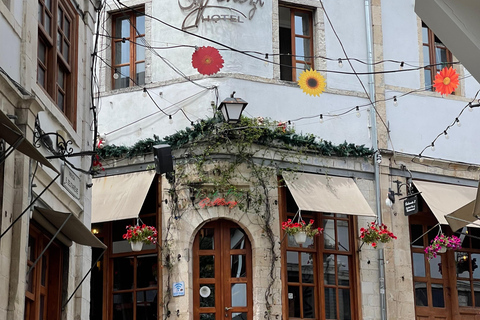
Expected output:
(446, 81)
(207, 60)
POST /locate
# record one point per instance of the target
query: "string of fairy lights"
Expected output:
(403, 66)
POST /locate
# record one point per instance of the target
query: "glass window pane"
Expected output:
(66, 30)
(60, 18)
(437, 296)
(41, 76)
(237, 238)
(147, 267)
(238, 266)
(207, 316)
(123, 306)
(475, 260)
(61, 78)
(60, 100)
(300, 67)
(476, 293)
(292, 267)
(344, 304)
(329, 269)
(343, 271)
(207, 296)
(302, 49)
(308, 302)
(48, 4)
(123, 273)
(418, 264)
(428, 79)
(122, 27)
(330, 303)
(436, 268)
(421, 298)
(140, 73)
(307, 267)
(415, 232)
(239, 295)
(206, 239)
(41, 52)
(462, 260)
(302, 26)
(147, 305)
(293, 302)
(343, 236)
(59, 41)
(124, 78)
(43, 277)
(425, 34)
(48, 22)
(329, 234)
(426, 56)
(441, 56)
(122, 52)
(42, 307)
(140, 24)
(140, 49)
(30, 280)
(464, 293)
(66, 51)
(40, 12)
(239, 316)
(207, 266)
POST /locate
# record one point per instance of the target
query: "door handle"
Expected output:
(227, 308)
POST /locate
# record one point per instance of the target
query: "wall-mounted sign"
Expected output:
(219, 202)
(199, 11)
(71, 182)
(178, 289)
(410, 205)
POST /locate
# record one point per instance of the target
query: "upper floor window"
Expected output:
(56, 55)
(296, 42)
(128, 49)
(436, 56)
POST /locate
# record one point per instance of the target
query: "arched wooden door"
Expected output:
(222, 273)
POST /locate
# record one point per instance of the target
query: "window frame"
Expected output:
(133, 62)
(293, 36)
(54, 60)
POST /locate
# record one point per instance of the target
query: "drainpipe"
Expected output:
(373, 119)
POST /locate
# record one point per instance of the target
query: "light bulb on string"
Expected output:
(432, 147)
(395, 101)
(446, 134)
(144, 94)
(321, 118)
(358, 111)
(420, 158)
(470, 108)
(459, 124)
(116, 75)
(340, 63)
(401, 65)
(170, 120)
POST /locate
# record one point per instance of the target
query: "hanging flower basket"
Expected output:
(375, 234)
(139, 235)
(441, 244)
(301, 230)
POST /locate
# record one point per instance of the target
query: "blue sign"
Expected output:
(178, 289)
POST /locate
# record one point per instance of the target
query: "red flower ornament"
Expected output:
(207, 60)
(446, 81)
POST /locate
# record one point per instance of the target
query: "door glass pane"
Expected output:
(206, 239)
(475, 260)
(207, 266)
(42, 307)
(308, 302)
(30, 280)
(238, 265)
(207, 295)
(436, 268)
(421, 294)
(344, 304)
(147, 271)
(239, 295)
(239, 316)
(329, 234)
(343, 271)
(330, 303)
(122, 52)
(293, 302)
(147, 305)
(464, 293)
(237, 238)
(122, 28)
(476, 293)
(140, 24)
(462, 261)
(123, 306)
(44, 270)
(301, 23)
(329, 269)
(437, 296)
(307, 267)
(343, 236)
(207, 316)
(292, 267)
(418, 264)
(123, 273)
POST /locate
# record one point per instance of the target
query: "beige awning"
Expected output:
(448, 199)
(74, 229)
(120, 197)
(11, 134)
(466, 215)
(320, 193)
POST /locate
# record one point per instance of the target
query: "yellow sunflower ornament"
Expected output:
(311, 82)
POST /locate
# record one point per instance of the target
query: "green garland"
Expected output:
(248, 130)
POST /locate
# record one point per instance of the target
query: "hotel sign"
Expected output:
(199, 11)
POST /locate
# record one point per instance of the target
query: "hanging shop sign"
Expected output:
(71, 182)
(410, 205)
(200, 11)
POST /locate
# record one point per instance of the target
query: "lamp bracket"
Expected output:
(400, 184)
(62, 145)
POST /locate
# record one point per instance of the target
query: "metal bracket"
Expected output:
(62, 145)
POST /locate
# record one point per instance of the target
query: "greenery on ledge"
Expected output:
(261, 132)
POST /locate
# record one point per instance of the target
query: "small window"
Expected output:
(296, 42)
(436, 56)
(128, 49)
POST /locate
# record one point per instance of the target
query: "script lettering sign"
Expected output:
(410, 205)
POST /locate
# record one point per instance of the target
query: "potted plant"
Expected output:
(440, 245)
(301, 230)
(138, 235)
(375, 234)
